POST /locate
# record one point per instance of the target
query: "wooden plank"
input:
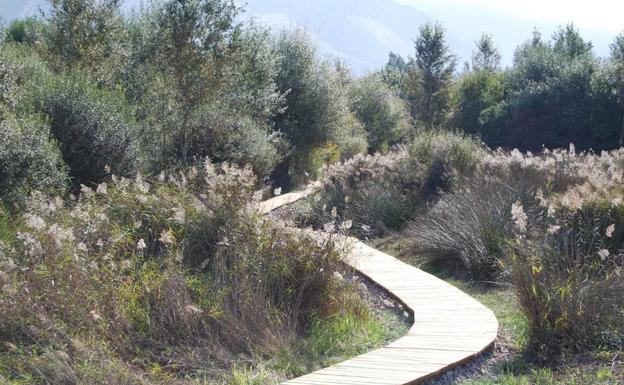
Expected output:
(275, 203)
(450, 327)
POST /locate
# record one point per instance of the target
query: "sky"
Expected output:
(607, 15)
(364, 31)
(511, 22)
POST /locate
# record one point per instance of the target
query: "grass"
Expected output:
(330, 340)
(343, 337)
(567, 376)
(508, 365)
(199, 290)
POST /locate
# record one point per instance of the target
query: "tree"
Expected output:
(317, 117)
(82, 33)
(569, 44)
(486, 57)
(554, 96)
(479, 89)
(430, 76)
(190, 45)
(394, 72)
(476, 92)
(382, 113)
(617, 59)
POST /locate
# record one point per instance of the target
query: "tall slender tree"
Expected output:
(430, 76)
(617, 57)
(83, 32)
(486, 56)
(193, 39)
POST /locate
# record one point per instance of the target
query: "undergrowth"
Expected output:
(172, 280)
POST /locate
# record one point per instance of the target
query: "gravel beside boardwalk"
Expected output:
(450, 327)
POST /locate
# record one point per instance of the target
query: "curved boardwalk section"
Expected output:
(450, 327)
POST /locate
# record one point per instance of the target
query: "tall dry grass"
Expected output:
(137, 281)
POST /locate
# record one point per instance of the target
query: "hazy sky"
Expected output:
(607, 15)
(364, 31)
(512, 21)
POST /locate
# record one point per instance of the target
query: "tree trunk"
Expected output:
(185, 138)
(622, 133)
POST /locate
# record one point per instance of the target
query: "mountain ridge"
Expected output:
(363, 32)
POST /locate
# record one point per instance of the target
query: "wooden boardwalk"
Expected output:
(450, 327)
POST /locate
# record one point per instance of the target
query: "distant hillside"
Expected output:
(363, 32)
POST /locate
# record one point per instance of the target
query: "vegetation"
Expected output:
(382, 113)
(548, 225)
(129, 149)
(154, 282)
(429, 76)
(131, 146)
(555, 93)
(382, 192)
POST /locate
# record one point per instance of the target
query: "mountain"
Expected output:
(363, 32)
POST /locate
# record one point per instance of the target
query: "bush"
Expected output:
(91, 126)
(238, 140)
(444, 156)
(467, 230)
(248, 143)
(29, 160)
(135, 274)
(26, 31)
(352, 146)
(306, 164)
(382, 113)
(569, 283)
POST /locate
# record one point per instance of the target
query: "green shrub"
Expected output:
(241, 141)
(382, 113)
(140, 273)
(444, 155)
(25, 31)
(91, 126)
(29, 160)
(569, 283)
(352, 146)
(306, 164)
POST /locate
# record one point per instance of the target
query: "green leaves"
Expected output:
(430, 76)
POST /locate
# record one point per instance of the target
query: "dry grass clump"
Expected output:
(569, 281)
(135, 281)
(466, 231)
(552, 226)
(381, 192)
